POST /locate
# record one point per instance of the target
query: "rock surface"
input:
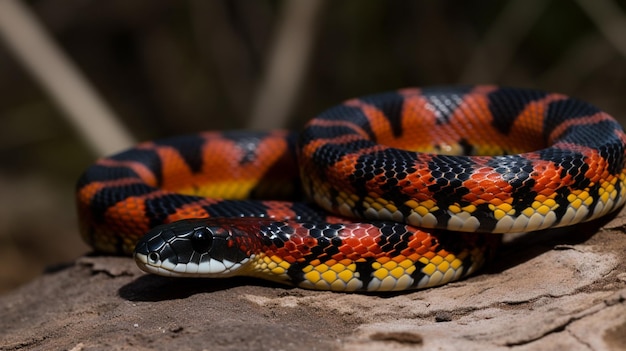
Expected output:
(555, 290)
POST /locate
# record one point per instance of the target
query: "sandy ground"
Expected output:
(557, 290)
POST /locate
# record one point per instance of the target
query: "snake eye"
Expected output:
(153, 258)
(201, 239)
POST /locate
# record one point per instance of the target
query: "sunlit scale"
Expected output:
(381, 209)
(539, 215)
(387, 274)
(333, 275)
(270, 265)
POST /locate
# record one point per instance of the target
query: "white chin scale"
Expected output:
(210, 269)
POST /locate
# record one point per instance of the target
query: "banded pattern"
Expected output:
(561, 160)
(468, 159)
(120, 198)
(376, 256)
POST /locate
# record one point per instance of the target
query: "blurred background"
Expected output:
(83, 78)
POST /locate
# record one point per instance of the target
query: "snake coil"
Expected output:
(410, 187)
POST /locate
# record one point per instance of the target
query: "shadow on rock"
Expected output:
(157, 288)
(524, 247)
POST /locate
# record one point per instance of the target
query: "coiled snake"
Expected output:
(461, 161)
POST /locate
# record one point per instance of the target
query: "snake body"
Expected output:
(410, 187)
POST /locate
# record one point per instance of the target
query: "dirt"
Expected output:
(559, 289)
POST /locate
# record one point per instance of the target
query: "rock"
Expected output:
(553, 290)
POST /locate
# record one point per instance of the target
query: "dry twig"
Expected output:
(61, 79)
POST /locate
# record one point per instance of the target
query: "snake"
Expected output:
(394, 191)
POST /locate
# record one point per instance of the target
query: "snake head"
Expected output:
(199, 248)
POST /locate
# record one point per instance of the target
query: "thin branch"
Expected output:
(286, 64)
(60, 78)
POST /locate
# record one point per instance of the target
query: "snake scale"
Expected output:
(393, 191)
